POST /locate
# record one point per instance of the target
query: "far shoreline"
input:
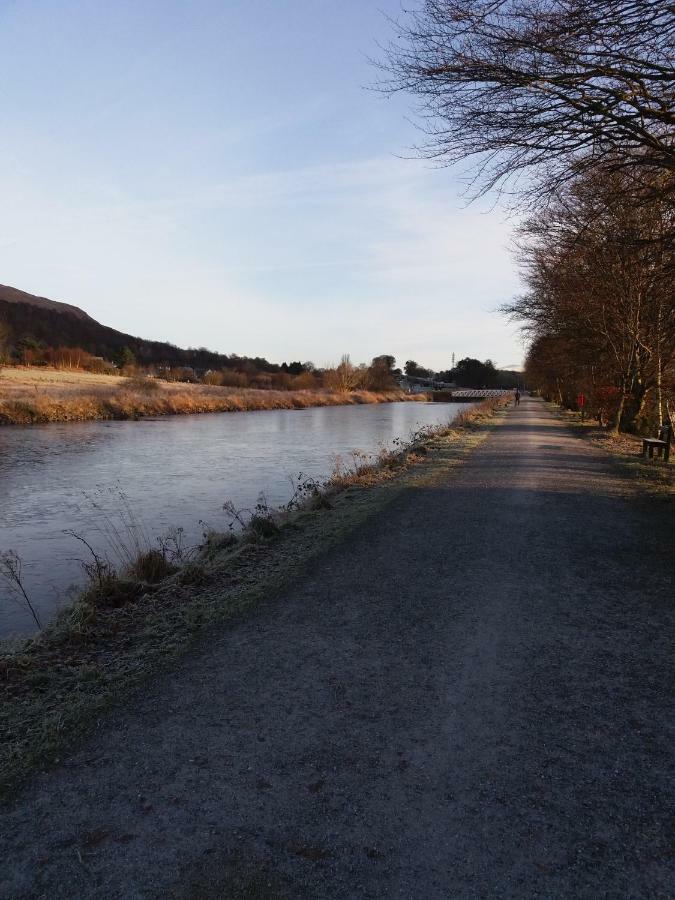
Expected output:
(44, 396)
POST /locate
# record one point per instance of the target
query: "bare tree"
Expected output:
(344, 377)
(550, 88)
(600, 304)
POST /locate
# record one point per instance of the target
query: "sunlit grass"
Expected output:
(38, 397)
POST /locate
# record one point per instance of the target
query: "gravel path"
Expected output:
(469, 698)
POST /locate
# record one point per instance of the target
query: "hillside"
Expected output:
(14, 295)
(30, 320)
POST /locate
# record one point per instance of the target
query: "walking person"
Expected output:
(516, 398)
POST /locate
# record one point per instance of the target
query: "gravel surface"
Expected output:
(468, 698)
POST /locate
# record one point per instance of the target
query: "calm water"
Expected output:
(175, 471)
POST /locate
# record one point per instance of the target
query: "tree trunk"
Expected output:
(616, 418)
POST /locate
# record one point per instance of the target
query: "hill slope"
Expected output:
(14, 295)
(51, 323)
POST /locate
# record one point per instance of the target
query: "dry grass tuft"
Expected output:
(151, 566)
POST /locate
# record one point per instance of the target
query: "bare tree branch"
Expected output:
(548, 87)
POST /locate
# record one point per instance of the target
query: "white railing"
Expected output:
(483, 393)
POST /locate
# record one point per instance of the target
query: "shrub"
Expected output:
(151, 566)
(263, 525)
(142, 383)
(305, 381)
(110, 590)
(234, 379)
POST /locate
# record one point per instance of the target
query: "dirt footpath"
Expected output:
(468, 699)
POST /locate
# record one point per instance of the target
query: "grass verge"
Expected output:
(653, 476)
(54, 686)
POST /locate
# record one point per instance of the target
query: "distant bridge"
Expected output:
(466, 395)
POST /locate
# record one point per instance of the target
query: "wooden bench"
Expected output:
(661, 444)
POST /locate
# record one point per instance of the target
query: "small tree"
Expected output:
(30, 350)
(125, 358)
(475, 374)
(415, 370)
(305, 381)
(380, 375)
(343, 378)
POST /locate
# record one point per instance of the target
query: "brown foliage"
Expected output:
(600, 305)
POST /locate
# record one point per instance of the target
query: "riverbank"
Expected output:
(113, 638)
(35, 396)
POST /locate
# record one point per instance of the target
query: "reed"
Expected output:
(52, 401)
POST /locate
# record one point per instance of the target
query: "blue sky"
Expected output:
(218, 174)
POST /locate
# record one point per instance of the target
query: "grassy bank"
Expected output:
(129, 625)
(39, 396)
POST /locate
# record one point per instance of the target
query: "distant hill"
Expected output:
(50, 323)
(14, 295)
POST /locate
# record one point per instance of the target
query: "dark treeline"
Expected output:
(468, 373)
(570, 107)
(66, 338)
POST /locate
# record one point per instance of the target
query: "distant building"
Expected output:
(414, 385)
